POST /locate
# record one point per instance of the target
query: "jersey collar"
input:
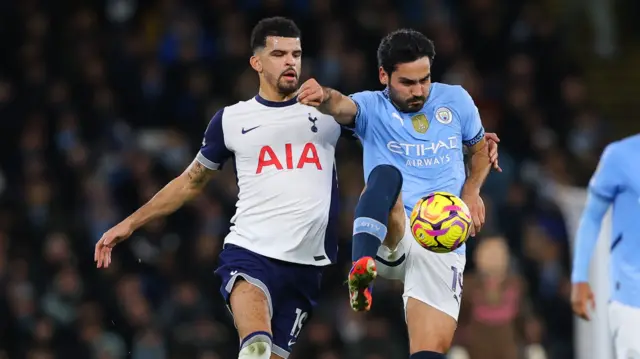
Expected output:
(269, 103)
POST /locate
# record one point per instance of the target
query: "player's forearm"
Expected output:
(587, 236)
(478, 169)
(165, 202)
(172, 196)
(341, 107)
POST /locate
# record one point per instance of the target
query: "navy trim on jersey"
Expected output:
(475, 139)
(616, 242)
(268, 103)
(331, 233)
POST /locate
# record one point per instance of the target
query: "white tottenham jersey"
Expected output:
(284, 154)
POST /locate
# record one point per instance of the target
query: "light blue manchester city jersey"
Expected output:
(426, 146)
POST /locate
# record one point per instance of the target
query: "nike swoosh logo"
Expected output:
(291, 343)
(247, 130)
(396, 116)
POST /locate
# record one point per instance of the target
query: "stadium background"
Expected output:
(101, 104)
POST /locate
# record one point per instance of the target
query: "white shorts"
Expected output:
(624, 323)
(432, 278)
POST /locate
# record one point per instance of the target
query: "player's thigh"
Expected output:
(250, 308)
(245, 288)
(430, 329)
(432, 295)
(624, 322)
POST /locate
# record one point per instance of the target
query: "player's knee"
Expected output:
(385, 181)
(385, 173)
(256, 345)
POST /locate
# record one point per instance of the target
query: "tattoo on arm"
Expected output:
(198, 174)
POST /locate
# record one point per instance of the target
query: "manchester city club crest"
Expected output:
(444, 116)
(420, 123)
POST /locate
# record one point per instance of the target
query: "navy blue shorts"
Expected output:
(291, 289)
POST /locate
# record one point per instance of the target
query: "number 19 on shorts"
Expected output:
(456, 283)
(301, 318)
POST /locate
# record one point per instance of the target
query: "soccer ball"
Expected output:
(440, 222)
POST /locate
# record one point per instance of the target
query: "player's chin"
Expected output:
(287, 86)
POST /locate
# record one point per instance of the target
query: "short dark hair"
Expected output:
(402, 46)
(272, 26)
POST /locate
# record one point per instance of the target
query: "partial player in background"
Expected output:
(616, 182)
(282, 233)
(413, 134)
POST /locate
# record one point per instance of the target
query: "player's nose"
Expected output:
(418, 90)
(290, 60)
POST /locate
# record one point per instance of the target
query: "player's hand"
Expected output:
(311, 93)
(477, 211)
(582, 300)
(492, 141)
(110, 238)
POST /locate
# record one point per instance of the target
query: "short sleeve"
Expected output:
(366, 103)
(472, 129)
(214, 151)
(605, 181)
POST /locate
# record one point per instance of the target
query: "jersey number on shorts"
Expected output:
(455, 283)
(301, 317)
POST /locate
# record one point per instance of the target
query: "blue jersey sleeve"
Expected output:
(605, 182)
(472, 130)
(366, 103)
(587, 236)
(213, 151)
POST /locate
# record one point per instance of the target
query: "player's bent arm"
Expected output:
(479, 166)
(172, 196)
(341, 107)
(587, 236)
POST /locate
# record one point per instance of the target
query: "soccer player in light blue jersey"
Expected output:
(413, 134)
(616, 182)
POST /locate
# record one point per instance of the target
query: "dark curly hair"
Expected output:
(402, 46)
(272, 26)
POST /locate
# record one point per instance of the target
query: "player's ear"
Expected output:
(384, 77)
(255, 63)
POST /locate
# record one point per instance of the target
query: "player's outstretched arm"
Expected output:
(171, 197)
(175, 194)
(328, 101)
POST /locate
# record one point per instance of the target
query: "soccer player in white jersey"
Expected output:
(282, 234)
(413, 135)
(616, 184)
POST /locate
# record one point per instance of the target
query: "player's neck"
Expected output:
(273, 95)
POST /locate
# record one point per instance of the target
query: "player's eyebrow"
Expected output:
(407, 80)
(282, 51)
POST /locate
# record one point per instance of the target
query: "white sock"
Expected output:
(256, 346)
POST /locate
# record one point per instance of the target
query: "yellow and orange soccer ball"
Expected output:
(440, 222)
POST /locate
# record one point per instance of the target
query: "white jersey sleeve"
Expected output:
(214, 151)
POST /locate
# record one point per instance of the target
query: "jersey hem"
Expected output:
(277, 256)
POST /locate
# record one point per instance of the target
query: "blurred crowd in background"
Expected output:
(102, 103)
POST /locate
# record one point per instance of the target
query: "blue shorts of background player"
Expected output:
(292, 291)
